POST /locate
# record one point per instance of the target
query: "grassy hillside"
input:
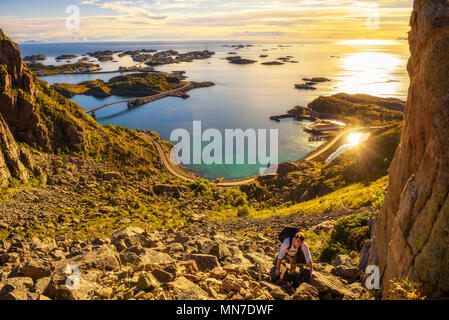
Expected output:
(359, 109)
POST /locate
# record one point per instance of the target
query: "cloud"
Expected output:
(259, 34)
(219, 19)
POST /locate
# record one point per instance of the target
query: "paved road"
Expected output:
(329, 145)
(186, 177)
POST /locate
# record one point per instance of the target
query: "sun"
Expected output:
(355, 138)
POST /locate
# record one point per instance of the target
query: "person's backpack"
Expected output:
(288, 232)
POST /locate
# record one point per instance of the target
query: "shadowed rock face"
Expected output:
(412, 232)
(17, 96)
(34, 113)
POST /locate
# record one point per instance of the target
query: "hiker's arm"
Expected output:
(281, 256)
(310, 265)
(278, 266)
(305, 250)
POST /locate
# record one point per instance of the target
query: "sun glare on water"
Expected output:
(368, 42)
(370, 72)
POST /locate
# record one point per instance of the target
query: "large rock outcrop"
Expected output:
(412, 231)
(11, 165)
(35, 113)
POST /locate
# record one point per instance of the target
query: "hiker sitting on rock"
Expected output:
(295, 247)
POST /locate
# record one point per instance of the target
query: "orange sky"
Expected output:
(283, 20)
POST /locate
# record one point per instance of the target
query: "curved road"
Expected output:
(183, 175)
(186, 177)
(329, 145)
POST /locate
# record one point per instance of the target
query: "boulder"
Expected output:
(172, 270)
(147, 282)
(16, 288)
(237, 260)
(275, 291)
(343, 260)
(219, 273)
(133, 236)
(329, 284)
(127, 232)
(67, 285)
(306, 292)
(175, 191)
(220, 250)
(129, 258)
(349, 273)
(105, 293)
(204, 261)
(16, 294)
(162, 276)
(187, 290)
(263, 263)
(104, 257)
(35, 269)
(151, 258)
(230, 283)
(41, 285)
(175, 248)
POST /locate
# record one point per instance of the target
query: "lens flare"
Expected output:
(355, 138)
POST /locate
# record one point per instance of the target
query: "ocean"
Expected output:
(244, 96)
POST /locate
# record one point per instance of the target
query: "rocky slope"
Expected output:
(412, 232)
(188, 263)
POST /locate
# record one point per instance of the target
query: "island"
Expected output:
(310, 82)
(135, 84)
(316, 79)
(50, 70)
(352, 109)
(171, 57)
(304, 86)
(272, 63)
(240, 60)
(37, 57)
(298, 113)
(138, 55)
(238, 46)
(105, 55)
(66, 57)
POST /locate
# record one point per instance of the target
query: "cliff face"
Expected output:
(32, 113)
(35, 113)
(412, 231)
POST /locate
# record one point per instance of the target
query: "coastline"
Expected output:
(186, 174)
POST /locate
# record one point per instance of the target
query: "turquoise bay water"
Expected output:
(245, 96)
